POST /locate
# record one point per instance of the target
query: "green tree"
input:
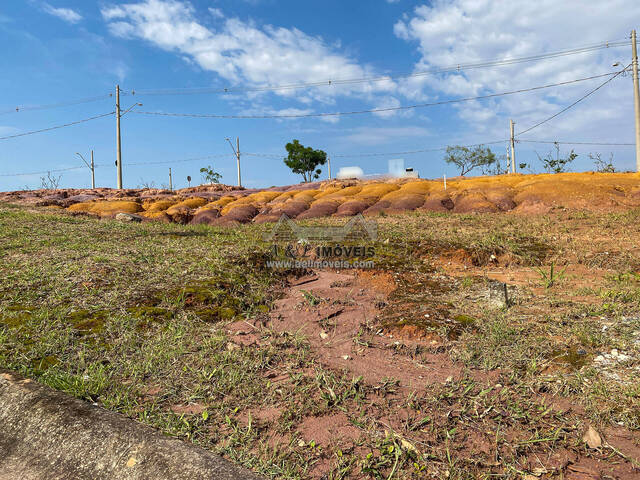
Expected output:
(559, 164)
(304, 160)
(209, 175)
(466, 159)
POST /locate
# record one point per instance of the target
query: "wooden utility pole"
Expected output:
(329, 160)
(513, 148)
(170, 180)
(93, 172)
(118, 142)
(238, 157)
(636, 94)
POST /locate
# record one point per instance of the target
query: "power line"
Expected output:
(591, 92)
(375, 110)
(56, 105)
(57, 126)
(578, 143)
(184, 160)
(452, 68)
(193, 159)
(384, 154)
(40, 173)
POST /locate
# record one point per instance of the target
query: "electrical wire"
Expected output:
(384, 154)
(57, 126)
(100, 165)
(374, 110)
(40, 173)
(448, 69)
(578, 143)
(588, 94)
(193, 159)
(56, 105)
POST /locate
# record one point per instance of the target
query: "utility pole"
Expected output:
(93, 172)
(238, 156)
(636, 94)
(513, 148)
(170, 180)
(329, 160)
(119, 145)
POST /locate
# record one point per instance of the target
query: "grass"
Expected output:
(132, 316)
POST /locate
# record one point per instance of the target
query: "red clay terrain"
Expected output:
(222, 204)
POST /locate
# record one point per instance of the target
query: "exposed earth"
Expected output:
(222, 204)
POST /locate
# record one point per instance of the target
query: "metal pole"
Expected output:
(636, 95)
(119, 144)
(93, 172)
(238, 157)
(170, 180)
(513, 148)
(329, 160)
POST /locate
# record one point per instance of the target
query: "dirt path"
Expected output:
(337, 313)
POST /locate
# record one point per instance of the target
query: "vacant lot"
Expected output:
(416, 369)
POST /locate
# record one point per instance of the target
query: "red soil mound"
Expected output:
(505, 193)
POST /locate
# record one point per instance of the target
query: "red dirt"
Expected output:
(339, 314)
(348, 311)
(522, 194)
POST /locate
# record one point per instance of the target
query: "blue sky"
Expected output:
(63, 50)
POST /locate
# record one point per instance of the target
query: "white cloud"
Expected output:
(216, 12)
(244, 52)
(66, 14)
(470, 31)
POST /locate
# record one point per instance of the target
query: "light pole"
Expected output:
(237, 153)
(91, 167)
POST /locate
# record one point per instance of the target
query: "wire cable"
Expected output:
(48, 129)
(588, 94)
(578, 143)
(374, 110)
(448, 69)
(40, 173)
(56, 105)
(384, 154)
(193, 159)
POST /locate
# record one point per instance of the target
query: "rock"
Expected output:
(592, 438)
(128, 217)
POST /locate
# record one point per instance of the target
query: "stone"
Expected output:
(128, 217)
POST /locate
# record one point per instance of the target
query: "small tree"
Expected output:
(50, 182)
(467, 159)
(557, 164)
(209, 175)
(499, 167)
(601, 165)
(304, 160)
